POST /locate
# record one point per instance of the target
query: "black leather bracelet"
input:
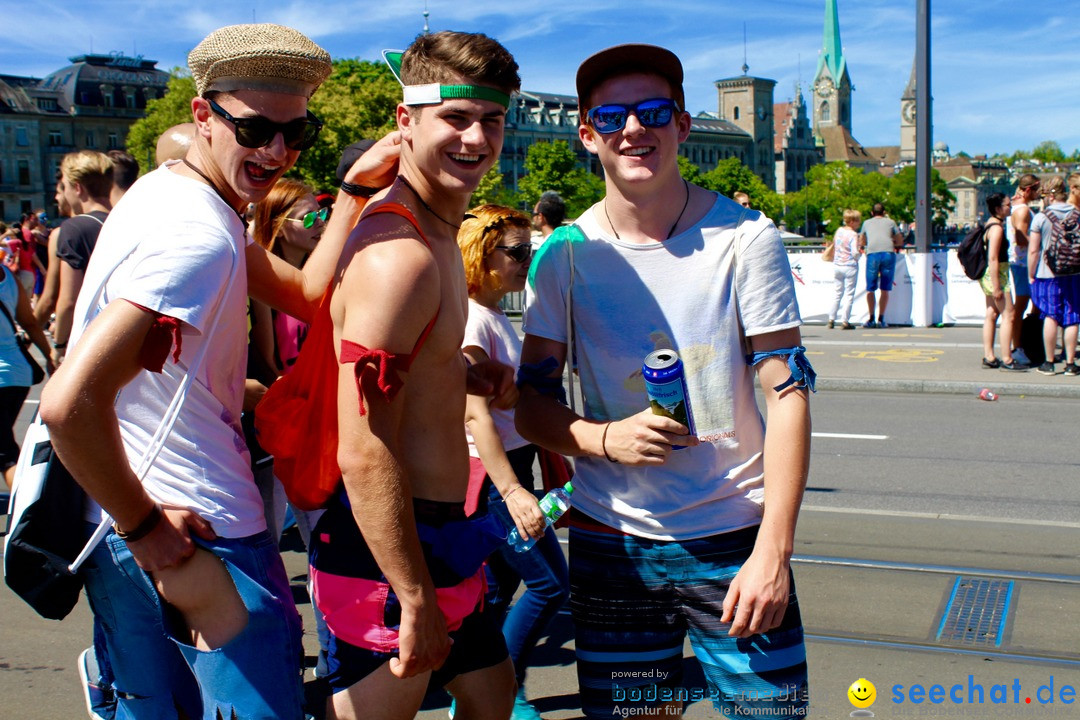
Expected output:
(358, 190)
(144, 528)
(59, 346)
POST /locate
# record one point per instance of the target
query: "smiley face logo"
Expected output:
(862, 693)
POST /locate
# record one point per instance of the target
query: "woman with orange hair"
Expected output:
(496, 250)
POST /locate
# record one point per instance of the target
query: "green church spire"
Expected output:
(832, 54)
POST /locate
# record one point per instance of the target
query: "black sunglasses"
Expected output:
(257, 131)
(518, 253)
(654, 113)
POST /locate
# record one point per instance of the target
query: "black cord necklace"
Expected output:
(426, 206)
(671, 232)
(214, 187)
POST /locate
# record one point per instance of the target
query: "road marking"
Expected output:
(849, 436)
(871, 343)
(897, 355)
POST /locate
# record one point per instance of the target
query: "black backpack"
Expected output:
(972, 252)
(1063, 245)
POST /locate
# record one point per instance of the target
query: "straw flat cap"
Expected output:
(263, 56)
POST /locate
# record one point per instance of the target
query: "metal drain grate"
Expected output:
(976, 612)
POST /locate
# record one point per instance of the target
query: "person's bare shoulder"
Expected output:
(389, 285)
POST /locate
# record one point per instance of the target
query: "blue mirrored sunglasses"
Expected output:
(653, 113)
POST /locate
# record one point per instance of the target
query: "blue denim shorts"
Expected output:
(258, 674)
(883, 265)
(1020, 280)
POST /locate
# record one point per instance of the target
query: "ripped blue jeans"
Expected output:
(257, 674)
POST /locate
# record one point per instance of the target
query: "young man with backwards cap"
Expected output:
(396, 566)
(189, 577)
(671, 532)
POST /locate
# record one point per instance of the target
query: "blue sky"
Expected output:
(1004, 77)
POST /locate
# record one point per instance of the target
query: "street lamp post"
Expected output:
(923, 304)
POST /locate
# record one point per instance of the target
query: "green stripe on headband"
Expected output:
(434, 93)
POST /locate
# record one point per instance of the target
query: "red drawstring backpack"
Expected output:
(297, 422)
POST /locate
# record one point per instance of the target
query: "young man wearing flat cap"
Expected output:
(396, 565)
(674, 530)
(198, 614)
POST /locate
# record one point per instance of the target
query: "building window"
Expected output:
(27, 207)
(825, 113)
(55, 138)
(22, 139)
(736, 113)
(91, 140)
(24, 172)
(114, 141)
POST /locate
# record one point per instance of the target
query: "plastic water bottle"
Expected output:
(553, 505)
(987, 394)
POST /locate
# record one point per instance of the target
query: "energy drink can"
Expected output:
(665, 384)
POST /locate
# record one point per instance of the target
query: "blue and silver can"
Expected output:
(665, 384)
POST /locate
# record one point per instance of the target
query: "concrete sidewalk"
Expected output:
(933, 360)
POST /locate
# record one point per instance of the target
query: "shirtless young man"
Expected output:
(396, 566)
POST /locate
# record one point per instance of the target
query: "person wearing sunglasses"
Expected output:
(175, 267)
(495, 245)
(661, 264)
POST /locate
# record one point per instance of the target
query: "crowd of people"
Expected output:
(442, 411)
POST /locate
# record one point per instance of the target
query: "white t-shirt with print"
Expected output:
(491, 331)
(694, 293)
(180, 241)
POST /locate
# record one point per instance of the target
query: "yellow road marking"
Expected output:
(897, 355)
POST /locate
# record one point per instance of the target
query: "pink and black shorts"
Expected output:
(362, 611)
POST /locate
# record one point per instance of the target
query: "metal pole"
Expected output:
(922, 303)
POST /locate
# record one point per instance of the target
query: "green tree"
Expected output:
(901, 200)
(492, 190)
(731, 176)
(171, 109)
(690, 172)
(553, 166)
(832, 188)
(357, 101)
(1048, 152)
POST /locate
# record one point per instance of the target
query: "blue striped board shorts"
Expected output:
(635, 600)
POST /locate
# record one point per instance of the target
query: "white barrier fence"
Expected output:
(956, 299)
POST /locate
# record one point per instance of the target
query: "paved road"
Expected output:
(890, 524)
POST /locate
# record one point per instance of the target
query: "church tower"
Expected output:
(907, 119)
(832, 84)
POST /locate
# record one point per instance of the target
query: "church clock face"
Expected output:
(907, 111)
(824, 87)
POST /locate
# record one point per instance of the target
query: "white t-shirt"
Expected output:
(694, 293)
(1041, 224)
(180, 242)
(491, 331)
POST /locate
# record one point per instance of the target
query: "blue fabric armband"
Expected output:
(538, 376)
(802, 374)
